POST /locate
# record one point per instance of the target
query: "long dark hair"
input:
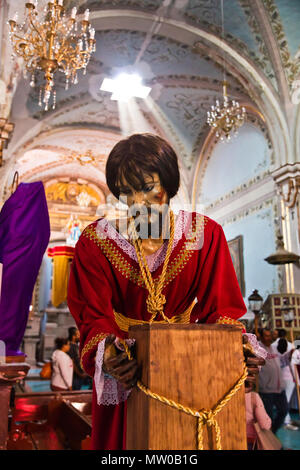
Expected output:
(282, 345)
(60, 342)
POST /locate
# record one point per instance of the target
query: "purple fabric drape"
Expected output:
(24, 236)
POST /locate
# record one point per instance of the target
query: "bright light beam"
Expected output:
(125, 86)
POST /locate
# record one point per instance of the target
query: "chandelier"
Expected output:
(53, 43)
(227, 118)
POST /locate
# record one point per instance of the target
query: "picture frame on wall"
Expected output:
(236, 249)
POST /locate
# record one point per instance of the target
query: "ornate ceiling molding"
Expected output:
(287, 179)
(290, 67)
(77, 140)
(198, 83)
(252, 78)
(259, 37)
(264, 16)
(263, 62)
(255, 209)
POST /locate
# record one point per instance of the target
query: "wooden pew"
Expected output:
(51, 421)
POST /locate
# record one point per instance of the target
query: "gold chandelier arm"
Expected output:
(34, 26)
(71, 57)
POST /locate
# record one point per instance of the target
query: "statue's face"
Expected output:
(151, 193)
(149, 203)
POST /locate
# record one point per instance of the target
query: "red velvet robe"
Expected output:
(105, 279)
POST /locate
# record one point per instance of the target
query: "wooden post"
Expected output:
(196, 366)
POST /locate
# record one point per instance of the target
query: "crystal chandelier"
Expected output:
(53, 43)
(225, 119)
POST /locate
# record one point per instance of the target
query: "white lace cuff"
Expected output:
(258, 350)
(109, 390)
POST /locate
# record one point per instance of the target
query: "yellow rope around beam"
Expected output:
(204, 417)
(155, 305)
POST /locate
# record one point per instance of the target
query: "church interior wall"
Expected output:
(233, 164)
(258, 273)
(237, 191)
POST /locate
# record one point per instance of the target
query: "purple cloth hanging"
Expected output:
(24, 237)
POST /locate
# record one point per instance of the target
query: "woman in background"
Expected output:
(255, 412)
(62, 366)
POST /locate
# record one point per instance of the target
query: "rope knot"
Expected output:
(206, 417)
(210, 418)
(155, 304)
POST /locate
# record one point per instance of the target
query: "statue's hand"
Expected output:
(117, 364)
(252, 362)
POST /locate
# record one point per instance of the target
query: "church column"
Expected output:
(287, 179)
(6, 129)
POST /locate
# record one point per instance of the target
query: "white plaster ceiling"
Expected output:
(185, 79)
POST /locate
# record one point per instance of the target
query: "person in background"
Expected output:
(296, 354)
(295, 361)
(288, 377)
(78, 374)
(282, 334)
(255, 411)
(62, 366)
(275, 334)
(271, 384)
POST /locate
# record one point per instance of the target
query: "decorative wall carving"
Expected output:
(237, 190)
(269, 203)
(150, 5)
(287, 179)
(290, 66)
(61, 192)
(207, 14)
(264, 61)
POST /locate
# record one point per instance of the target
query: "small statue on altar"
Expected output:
(74, 230)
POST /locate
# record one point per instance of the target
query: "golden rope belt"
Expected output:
(155, 303)
(124, 323)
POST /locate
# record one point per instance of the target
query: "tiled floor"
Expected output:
(38, 385)
(290, 439)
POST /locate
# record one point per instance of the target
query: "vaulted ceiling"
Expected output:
(177, 47)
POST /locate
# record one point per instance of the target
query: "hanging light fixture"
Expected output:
(282, 256)
(255, 304)
(52, 44)
(226, 118)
